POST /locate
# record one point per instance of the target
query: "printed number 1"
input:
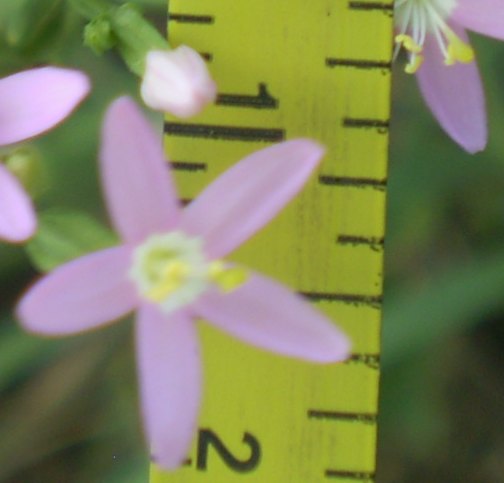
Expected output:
(208, 438)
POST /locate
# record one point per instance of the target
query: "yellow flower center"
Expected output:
(175, 273)
(171, 270)
(415, 19)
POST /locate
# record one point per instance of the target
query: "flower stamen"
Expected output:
(415, 19)
(227, 279)
(458, 50)
(172, 270)
(408, 43)
(415, 60)
(173, 277)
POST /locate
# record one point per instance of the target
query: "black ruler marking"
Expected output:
(370, 6)
(359, 63)
(381, 125)
(370, 360)
(375, 243)
(189, 18)
(352, 182)
(188, 166)
(366, 418)
(230, 133)
(350, 475)
(208, 56)
(262, 100)
(374, 301)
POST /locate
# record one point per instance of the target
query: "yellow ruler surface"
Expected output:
(285, 69)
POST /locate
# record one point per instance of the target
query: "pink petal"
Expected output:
(17, 216)
(138, 187)
(80, 295)
(455, 96)
(35, 100)
(170, 381)
(250, 194)
(483, 16)
(266, 314)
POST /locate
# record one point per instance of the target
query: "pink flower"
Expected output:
(170, 269)
(432, 31)
(17, 216)
(31, 102)
(177, 81)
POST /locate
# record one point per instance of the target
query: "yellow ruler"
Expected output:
(290, 68)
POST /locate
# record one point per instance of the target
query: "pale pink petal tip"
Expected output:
(83, 294)
(35, 100)
(474, 144)
(18, 221)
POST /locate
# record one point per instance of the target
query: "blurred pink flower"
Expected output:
(432, 31)
(17, 216)
(31, 102)
(177, 81)
(170, 269)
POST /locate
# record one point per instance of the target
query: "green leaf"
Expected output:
(453, 299)
(35, 23)
(65, 235)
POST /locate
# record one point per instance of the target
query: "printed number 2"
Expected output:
(208, 438)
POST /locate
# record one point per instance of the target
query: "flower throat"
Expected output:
(415, 19)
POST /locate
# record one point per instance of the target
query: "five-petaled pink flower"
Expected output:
(170, 268)
(432, 31)
(31, 102)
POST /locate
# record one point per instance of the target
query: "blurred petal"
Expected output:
(17, 216)
(170, 381)
(139, 190)
(249, 195)
(35, 100)
(266, 314)
(455, 96)
(483, 16)
(80, 295)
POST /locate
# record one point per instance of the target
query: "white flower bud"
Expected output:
(177, 81)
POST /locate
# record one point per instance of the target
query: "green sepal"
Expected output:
(25, 162)
(64, 235)
(135, 36)
(98, 34)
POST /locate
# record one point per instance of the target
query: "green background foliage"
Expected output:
(68, 407)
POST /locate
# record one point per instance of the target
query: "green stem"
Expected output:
(135, 37)
(120, 26)
(90, 8)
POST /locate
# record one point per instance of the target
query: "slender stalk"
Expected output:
(90, 8)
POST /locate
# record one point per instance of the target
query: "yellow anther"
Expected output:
(228, 279)
(172, 278)
(414, 64)
(408, 43)
(458, 50)
(215, 269)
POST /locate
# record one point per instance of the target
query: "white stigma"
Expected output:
(172, 271)
(415, 19)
